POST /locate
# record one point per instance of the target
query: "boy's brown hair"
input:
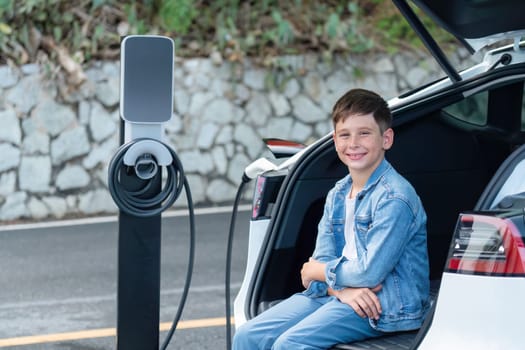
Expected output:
(361, 101)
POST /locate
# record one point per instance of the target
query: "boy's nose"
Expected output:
(352, 141)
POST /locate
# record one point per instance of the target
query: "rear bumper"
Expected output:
(477, 312)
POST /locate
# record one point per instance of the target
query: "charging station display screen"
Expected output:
(146, 79)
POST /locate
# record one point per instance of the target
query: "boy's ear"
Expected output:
(388, 138)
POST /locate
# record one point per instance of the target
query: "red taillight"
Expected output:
(267, 188)
(489, 245)
(257, 197)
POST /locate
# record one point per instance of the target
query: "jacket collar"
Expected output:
(346, 182)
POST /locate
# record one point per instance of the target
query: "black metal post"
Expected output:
(138, 291)
(146, 103)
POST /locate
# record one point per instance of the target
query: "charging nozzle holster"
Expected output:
(144, 159)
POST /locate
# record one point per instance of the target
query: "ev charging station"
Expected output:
(137, 185)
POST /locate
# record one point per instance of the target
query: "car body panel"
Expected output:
(257, 233)
(460, 323)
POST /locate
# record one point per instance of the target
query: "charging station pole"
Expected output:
(138, 291)
(146, 102)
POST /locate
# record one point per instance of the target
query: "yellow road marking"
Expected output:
(105, 332)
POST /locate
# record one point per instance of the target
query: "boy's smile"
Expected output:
(360, 144)
(355, 156)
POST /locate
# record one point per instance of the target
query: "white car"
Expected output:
(460, 142)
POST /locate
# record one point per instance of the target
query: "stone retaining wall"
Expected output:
(55, 144)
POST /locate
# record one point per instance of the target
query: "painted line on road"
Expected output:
(114, 218)
(109, 297)
(106, 332)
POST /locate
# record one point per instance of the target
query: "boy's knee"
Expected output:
(240, 336)
(286, 342)
(244, 338)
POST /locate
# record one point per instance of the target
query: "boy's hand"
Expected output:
(364, 301)
(312, 270)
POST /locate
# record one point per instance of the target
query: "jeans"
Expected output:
(302, 322)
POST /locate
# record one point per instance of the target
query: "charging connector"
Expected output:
(256, 168)
(145, 167)
(253, 170)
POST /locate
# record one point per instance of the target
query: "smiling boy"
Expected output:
(368, 274)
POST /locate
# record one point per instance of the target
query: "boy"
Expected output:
(369, 271)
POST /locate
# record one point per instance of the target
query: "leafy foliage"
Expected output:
(42, 30)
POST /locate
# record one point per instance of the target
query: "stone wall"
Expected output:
(55, 144)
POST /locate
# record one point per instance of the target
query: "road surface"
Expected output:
(59, 281)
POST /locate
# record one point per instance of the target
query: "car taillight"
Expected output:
(267, 187)
(258, 196)
(488, 245)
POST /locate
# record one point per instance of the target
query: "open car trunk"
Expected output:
(448, 148)
(450, 138)
(477, 23)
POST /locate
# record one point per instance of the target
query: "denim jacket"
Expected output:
(390, 238)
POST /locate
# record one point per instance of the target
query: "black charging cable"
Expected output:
(189, 271)
(227, 291)
(132, 203)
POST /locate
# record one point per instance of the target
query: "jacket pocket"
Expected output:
(362, 225)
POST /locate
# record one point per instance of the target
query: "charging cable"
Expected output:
(146, 167)
(253, 170)
(189, 271)
(227, 281)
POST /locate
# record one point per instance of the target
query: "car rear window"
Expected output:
(473, 109)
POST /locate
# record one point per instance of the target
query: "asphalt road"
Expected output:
(58, 283)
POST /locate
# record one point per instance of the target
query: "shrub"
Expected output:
(75, 32)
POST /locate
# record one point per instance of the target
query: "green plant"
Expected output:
(177, 15)
(355, 37)
(283, 34)
(395, 32)
(37, 30)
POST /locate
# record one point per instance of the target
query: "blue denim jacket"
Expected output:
(390, 238)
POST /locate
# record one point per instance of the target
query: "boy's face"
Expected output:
(360, 144)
